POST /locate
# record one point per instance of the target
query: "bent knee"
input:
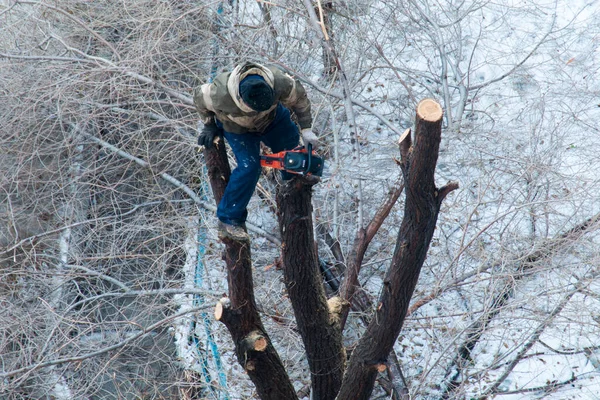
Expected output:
(249, 166)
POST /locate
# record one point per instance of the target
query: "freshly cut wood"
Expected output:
(220, 308)
(404, 135)
(335, 305)
(429, 110)
(255, 341)
(405, 145)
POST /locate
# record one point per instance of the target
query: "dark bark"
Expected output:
(239, 312)
(335, 247)
(319, 328)
(421, 209)
(399, 388)
(394, 384)
(330, 276)
(218, 168)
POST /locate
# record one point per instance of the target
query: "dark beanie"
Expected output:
(256, 93)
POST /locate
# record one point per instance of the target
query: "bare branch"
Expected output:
(116, 346)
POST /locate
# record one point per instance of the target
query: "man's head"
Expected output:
(256, 93)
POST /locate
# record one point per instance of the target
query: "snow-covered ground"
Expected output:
(518, 80)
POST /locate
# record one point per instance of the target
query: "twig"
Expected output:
(322, 21)
(144, 331)
(477, 328)
(33, 238)
(347, 105)
(545, 248)
(546, 389)
(178, 184)
(341, 96)
(533, 340)
(75, 19)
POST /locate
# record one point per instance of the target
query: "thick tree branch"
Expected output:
(238, 312)
(316, 318)
(420, 216)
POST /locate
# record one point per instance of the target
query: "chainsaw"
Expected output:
(300, 160)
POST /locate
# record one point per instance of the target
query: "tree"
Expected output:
(318, 319)
(102, 205)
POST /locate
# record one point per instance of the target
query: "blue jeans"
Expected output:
(281, 134)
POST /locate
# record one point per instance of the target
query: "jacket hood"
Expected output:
(239, 73)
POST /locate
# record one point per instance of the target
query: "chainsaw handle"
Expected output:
(309, 146)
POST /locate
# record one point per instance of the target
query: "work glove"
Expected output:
(208, 134)
(308, 136)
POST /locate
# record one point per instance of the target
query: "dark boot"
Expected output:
(233, 232)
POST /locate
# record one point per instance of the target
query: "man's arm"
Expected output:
(203, 103)
(297, 101)
(294, 97)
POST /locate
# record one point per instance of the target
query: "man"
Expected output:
(250, 105)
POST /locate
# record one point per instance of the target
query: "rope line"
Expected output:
(221, 391)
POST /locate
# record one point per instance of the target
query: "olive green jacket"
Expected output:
(221, 100)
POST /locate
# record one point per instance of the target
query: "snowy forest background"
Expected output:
(108, 247)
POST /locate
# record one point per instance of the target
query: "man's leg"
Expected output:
(282, 134)
(239, 190)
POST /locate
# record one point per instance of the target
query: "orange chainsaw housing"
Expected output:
(297, 161)
(273, 160)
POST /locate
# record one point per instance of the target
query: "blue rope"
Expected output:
(199, 278)
(199, 300)
(211, 344)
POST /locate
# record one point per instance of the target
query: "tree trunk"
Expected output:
(238, 312)
(218, 168)
(318, 321)
(422, 206)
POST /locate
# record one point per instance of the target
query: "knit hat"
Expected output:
(256, 93)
